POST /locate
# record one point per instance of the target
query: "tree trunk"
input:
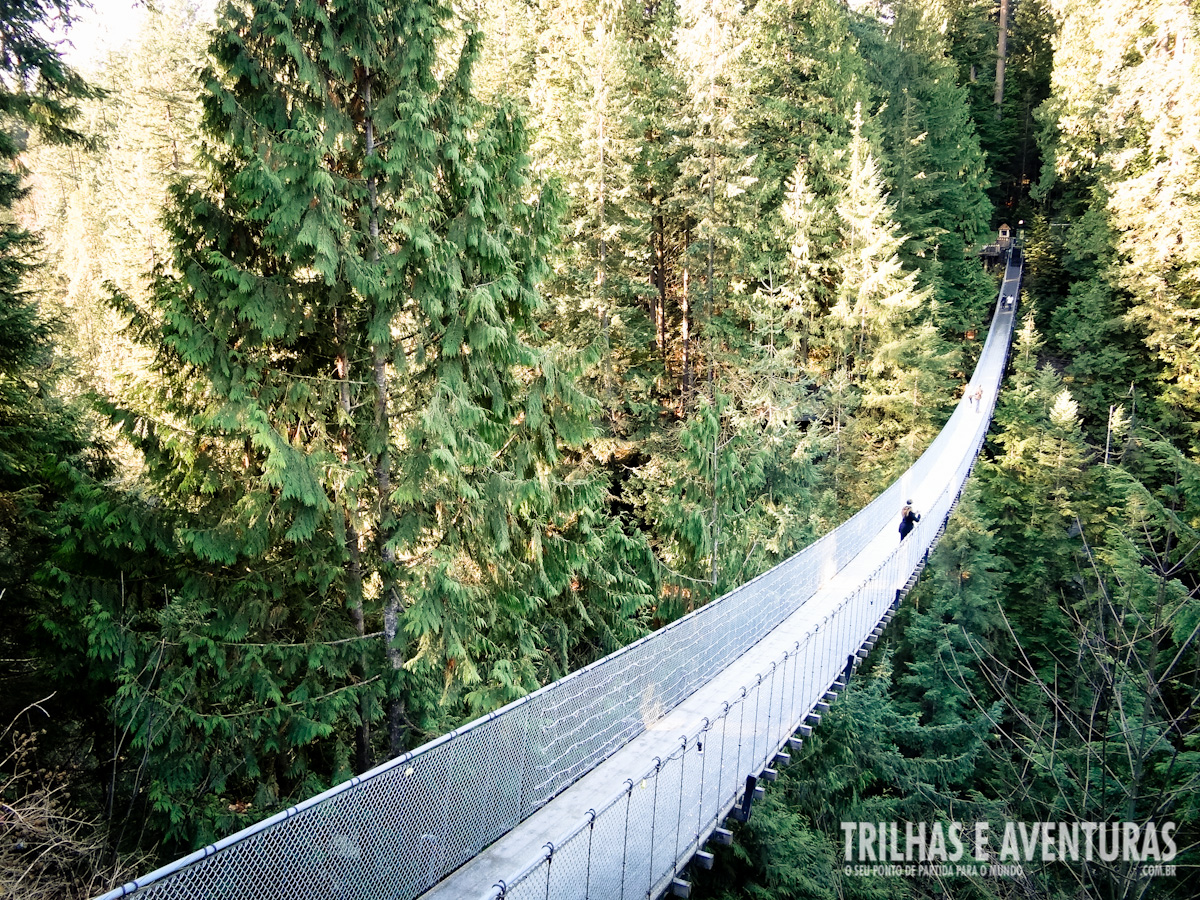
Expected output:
(712, 215)
(1001, 55)
(354, 593)
(383, 469)
(660, 281)
(391, 599)
(685, 325)
(602, 273)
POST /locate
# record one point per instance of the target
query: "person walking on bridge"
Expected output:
(908, 518)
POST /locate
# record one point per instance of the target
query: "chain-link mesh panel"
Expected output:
(639, 838)
(570, 865)
(608, 837)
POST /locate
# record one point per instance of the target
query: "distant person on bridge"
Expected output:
(977, 396)
(908, 518)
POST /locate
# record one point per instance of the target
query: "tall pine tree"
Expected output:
(355, 431)
(41, 436)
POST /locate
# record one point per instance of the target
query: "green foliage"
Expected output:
(372, 484)
(736, 504)
(54, 848)
(1091, 326)
(870, 761)
(1040, 491)
(895, 367)
(1093, 739)
(362, 450)
(43, 437)
(989, 707)
(843, 774)
(932, 158)
(1121, 160)
(1012, 138)
(99, 234)
(40, 92)
(1008, 134)
(806, 73)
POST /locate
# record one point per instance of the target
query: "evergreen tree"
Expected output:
(1008, 133)
(874, 293)
(804, 75)
(96, 231)
(716, 475)
(1040, 454)
(932, 160)
(878, 332)
(52, 847)
(1122, 148)
(658, 97)
(1107, 359)
(42, 438)
(953, 625)
(356, 435)
(971, 37)
(1102, 627)
(790, 309)
(708, 50)
(508, 56)
(590, 138)
(1014, 145)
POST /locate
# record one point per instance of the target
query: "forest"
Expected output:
(366, 366)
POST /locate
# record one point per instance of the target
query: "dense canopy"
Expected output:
(364, 367)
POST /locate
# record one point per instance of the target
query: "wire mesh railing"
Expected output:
(397, 830)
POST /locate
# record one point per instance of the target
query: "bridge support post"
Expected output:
(742, 813)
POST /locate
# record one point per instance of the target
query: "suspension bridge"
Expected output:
(610, 782)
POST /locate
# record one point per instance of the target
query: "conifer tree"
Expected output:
(803, 293)
(765, 371)
(952, 627)
(1123, 78)
(932, 161)
(97, 231)
(804, 74)
(970, 32)
(1038, 484)
(42, 438)
(709, 46)
(740, 476)
(356, 432)
(590, 138)
(48, 723)
(1102, 626)
(508, 56)
(659, 97)
(874, 293)
(1090, 325)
